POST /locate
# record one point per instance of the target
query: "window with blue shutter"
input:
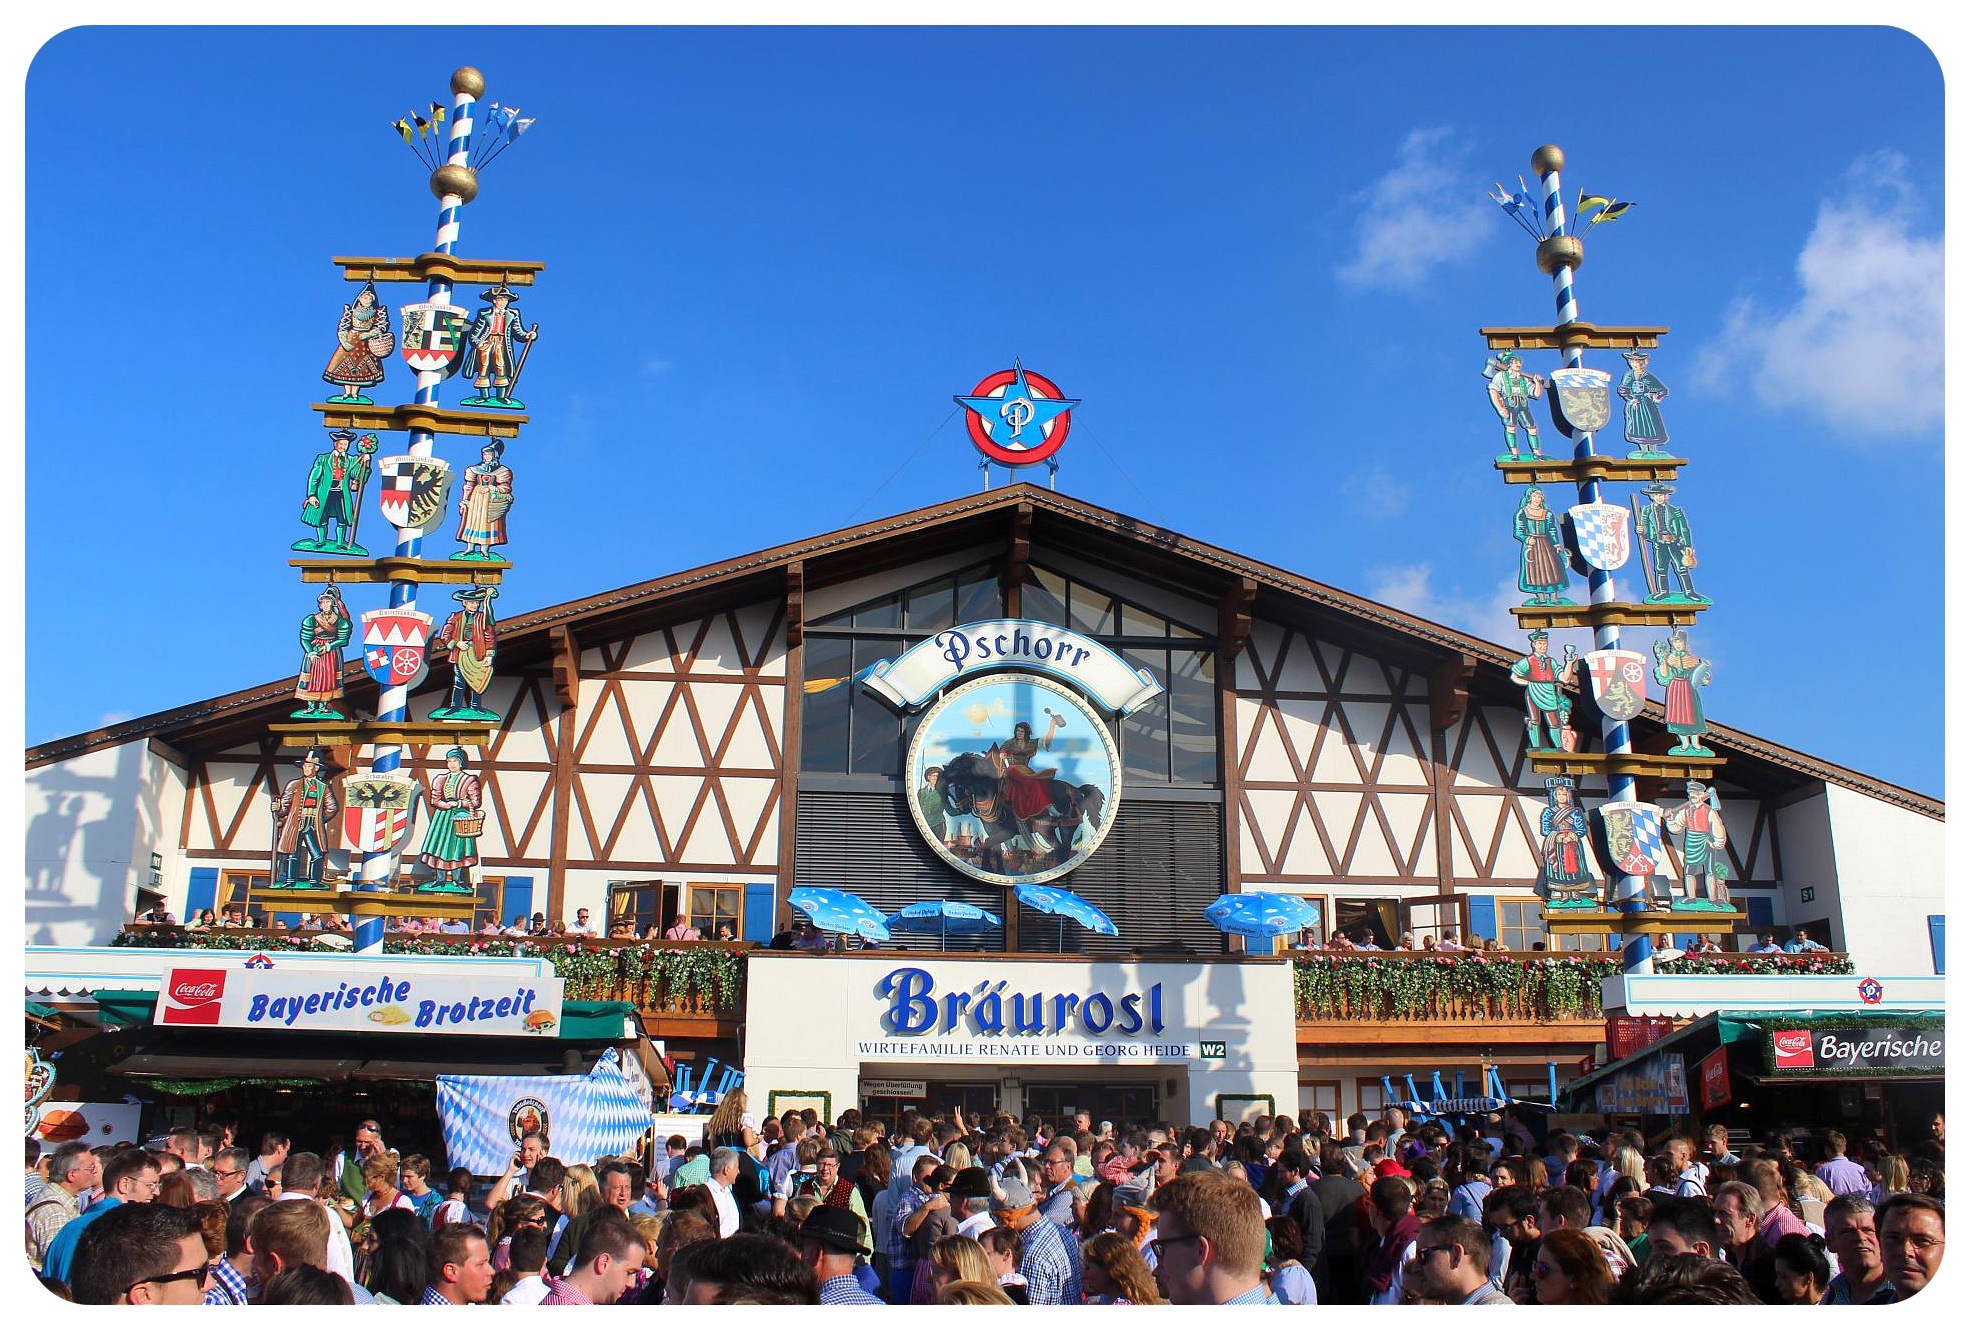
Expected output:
(516, 896)
(1936, 942)
(204, 892)
(1759, 908)
(1484, 916)
(759, 912)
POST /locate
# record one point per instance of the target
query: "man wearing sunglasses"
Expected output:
(142, 1256)
(1210, 1242)
(1450, 1265)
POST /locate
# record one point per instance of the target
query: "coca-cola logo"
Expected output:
(1792, 1049)
(192, 997)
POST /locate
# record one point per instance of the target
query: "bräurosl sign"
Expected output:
(378, 1000)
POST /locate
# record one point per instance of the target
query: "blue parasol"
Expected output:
(942, 918)
(1261, 913)
(1058, 900)
(839, 912)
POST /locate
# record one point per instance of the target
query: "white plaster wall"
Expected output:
(1806, 848)
(90, 822)
(1890, 863)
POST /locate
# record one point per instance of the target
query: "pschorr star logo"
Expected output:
(1870, 991)
(1017, 417)
(259, 962)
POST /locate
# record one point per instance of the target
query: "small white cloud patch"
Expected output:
(1423, 212)
(1862, 343)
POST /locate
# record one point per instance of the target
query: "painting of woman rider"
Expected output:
(1015, 778)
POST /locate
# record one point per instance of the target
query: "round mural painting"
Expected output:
(1015, 778)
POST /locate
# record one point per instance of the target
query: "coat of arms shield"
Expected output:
(393, 646)
(377, 812)
(1599, 534)
(1581, 397)
(1630, 839)
(432, 337)
(1619, 680)
(415, 491)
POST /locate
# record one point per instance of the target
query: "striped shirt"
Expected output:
(846, 1291)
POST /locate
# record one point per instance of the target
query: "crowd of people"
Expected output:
(970, 1211)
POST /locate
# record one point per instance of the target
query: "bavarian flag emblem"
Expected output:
(432, 337)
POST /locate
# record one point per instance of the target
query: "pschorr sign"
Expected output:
(1878, 1049)
(373, 999)
(920, 673)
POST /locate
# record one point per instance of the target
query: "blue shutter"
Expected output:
(1688, 941)
(288, 920)
(1484, 916)
(1760, 910)
(204, 891)
(1936, 942)
(758, 914)
(516, 897)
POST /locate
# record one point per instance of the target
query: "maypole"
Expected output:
(1625, 833)
(414, 490)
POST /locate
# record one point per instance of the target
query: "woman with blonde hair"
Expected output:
(958, 1156)
(727, 1121)
(1628, 1164)
(971, 1293)
(957, 1260)
(1113, 1273)
(579, 1192)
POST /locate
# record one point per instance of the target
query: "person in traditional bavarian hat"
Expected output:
(303, 815)
(451, 842)
(325, 630)
(1545, 705)
(486, 497)
(1665, 528)
(491, 337)
(830, 1244)
(470, 637)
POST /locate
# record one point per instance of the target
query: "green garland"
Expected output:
(700, 979)
(1555, 987)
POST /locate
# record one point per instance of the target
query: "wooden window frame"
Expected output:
(738, 918)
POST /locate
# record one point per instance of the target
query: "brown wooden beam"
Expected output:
(449, 267)
(1450, 691)
(393, 568)
(796, 672)
(567, 666)
(437, 419)
(1576, 333)
(1019, 546)
(1234, 631)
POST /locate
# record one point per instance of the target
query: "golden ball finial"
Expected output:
(468, 81)
(1548, 158)
(1556, 252)
(460, 180)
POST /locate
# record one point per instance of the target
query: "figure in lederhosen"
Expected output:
(483, 504)
(492, 343)
(1547, 708)
(451, 842)
(303, 815)
(470, 637)
(323, 635)
(1699, 820)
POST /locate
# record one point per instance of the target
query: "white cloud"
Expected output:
(109, 718)
(656, 366)
(1862, 344)
(1376, 494)
(1411, 587)
(1424, 211)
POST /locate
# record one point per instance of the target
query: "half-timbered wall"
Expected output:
(1344, 791)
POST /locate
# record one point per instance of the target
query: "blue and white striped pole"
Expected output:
(456, 185)
(1559, 254)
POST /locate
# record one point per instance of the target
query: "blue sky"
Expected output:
(1260, 256)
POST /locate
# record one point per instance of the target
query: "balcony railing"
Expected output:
(1518, 986)
(705, 980)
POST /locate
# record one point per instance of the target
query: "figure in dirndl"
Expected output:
(1640, 393)
(451, 842)
(1681, 672)
(1542, 573)
(1563, 844)
(323, 635)
(483, 503)
(362, 340)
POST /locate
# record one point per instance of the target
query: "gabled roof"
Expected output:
(1146, 551)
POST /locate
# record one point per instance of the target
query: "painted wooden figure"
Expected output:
(303, 814)
(1566, 875)
(1641, 393)
(470, 638)
(1681, 672)
(483, 504)
(1547, 705)
(335, 493)
(1512, 392)
(1699, 822)
(451, 842)
(1542, 569)
(362, 342)
(492, 348)
(324, 632)
(1664, 529)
